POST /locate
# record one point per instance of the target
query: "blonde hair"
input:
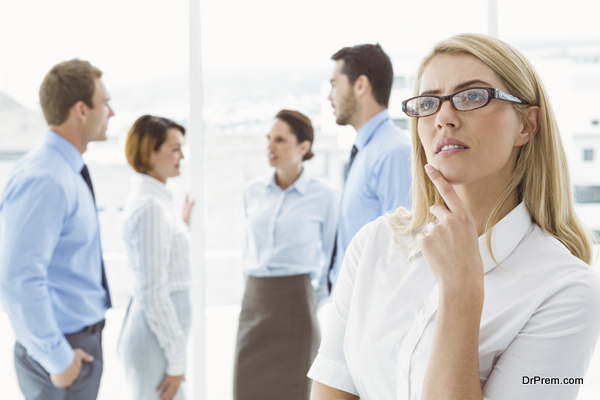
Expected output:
(541, 176)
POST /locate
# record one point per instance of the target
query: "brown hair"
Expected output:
(146, 135)
(66, 84)
(371, 61)
(300, 126)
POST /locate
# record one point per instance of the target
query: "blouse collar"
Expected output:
(300, 185)
(506, 235)
(149, 185)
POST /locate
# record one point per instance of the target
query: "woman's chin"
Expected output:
(454, 176)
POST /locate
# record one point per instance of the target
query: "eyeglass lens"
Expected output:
(466, 100)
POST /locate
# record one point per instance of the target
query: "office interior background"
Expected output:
(223, 68)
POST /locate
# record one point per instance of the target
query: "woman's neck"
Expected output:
(481, 197)
(285, 177)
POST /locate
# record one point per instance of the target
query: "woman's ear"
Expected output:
(304, 147)
(531, 125)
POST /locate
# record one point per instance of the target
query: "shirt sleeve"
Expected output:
(32, 218)
(558, 341)
(328, 231)
(154, 247)
(393, 179)
(330, 367)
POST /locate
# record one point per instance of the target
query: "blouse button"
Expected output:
(401, 374)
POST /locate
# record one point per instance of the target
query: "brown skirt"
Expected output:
(278, 338)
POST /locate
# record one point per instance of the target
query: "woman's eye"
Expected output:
(472, 96)
(426, 104)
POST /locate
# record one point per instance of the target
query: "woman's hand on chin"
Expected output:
(450, 246)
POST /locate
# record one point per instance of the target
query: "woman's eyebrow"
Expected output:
(458, 87)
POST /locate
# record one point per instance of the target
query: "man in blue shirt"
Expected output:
(378, 177)
(52, 280)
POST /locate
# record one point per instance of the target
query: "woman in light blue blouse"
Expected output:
(290, 229)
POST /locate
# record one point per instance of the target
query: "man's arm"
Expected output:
(393, 179)
(32, 215)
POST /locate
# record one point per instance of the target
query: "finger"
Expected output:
(86, 357)
(445, 189)
(439, 210)
(168, 394)
(430, 227)
(162, 386)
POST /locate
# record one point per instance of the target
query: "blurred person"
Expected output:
(52, 279)
(377, 177)
(155, 331)
(290, 225)
(488, 280)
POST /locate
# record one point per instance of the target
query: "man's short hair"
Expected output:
(369, 60)
(66, 84)
(146, 136)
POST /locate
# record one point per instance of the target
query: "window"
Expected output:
(588, 154)
(399, 82)
(587, 194)
(402, 123)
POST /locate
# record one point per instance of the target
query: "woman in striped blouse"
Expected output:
(156, 327)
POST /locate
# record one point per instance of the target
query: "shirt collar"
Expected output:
(506, 235)
(66, 149)
(148, 185)
(366, 132)
(300, 185)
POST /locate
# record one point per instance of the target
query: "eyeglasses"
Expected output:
(465, 100)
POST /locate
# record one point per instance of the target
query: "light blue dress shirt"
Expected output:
(290, 232)
(379, 181)
(50, 268)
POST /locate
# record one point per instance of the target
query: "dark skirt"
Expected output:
(278, 338)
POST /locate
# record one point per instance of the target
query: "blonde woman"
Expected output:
(156, 328)
(486, 283)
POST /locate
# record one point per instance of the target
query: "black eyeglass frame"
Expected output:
(493, 94)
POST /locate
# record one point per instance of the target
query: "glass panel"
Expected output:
(587, 194)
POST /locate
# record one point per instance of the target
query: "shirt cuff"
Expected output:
(59, 358)
(176, 367)
(333, 374)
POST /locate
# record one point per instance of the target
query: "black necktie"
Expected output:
(333, 254)
(349, 164)
(86, 177)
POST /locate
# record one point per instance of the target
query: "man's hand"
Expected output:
(169, 386)
(68, 376)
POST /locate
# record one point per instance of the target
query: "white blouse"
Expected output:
(158, 245)
(541, 316)
(291, 231)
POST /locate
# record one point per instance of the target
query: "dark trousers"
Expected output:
(35, 382)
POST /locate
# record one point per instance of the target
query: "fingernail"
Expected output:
(429, 169)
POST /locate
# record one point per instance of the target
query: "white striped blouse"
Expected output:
(158, 245)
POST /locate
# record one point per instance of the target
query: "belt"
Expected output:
(97, 327)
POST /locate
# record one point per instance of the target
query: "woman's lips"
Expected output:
(449, 152)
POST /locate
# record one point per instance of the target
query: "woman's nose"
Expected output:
(447, 116)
